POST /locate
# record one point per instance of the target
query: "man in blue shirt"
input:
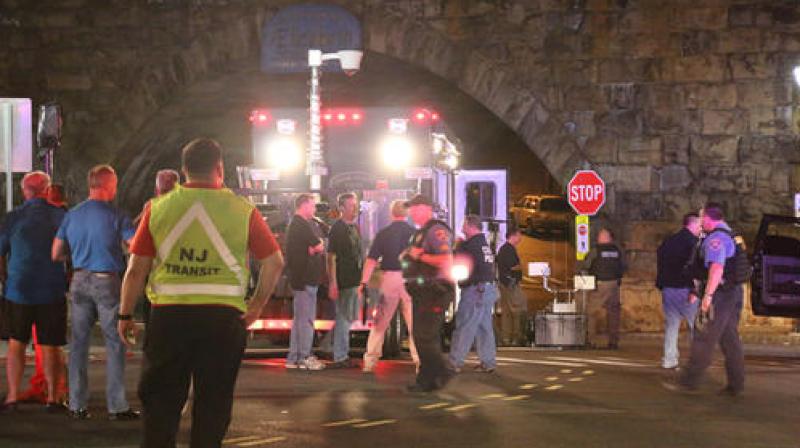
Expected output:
(725, 296)
(386, 248)
(34, 287)
(92, 234)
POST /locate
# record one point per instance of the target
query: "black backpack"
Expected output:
(738, 268)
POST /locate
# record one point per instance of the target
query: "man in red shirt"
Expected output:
(197, 286)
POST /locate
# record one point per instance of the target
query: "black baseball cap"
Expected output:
(419, 199)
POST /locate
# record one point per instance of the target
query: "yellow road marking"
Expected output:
(344, 422)
(588, 372)
(527, 386)
(554, 387)
(461, 407)
(375, 423)
(551, 378)
(489, 396)
(516, 397)
(239, 439)
(566, 370)
(442, 404)
(263, 442)
(577, 379)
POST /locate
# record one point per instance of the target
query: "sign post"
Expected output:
(797, 205)
(16, 141)
(582, 236)
(586, 193)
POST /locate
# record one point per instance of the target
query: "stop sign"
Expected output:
(586, 192)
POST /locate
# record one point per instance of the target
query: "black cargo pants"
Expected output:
(722, 330)
(204, 344)
(430, 301)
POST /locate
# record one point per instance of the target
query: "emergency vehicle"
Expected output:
(380, 153)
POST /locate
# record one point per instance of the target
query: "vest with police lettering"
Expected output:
(200, 237)
(415, 270)
(608, 264)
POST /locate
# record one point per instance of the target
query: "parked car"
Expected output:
(543, 214)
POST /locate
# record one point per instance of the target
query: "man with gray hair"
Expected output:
(34, 288)
(166, 181)
(344, 270)
(389, 243)
(478, 296)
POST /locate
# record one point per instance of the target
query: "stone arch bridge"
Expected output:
(674, 102)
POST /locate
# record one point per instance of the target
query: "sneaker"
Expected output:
(484, 369)
(311, 363)
(55, 407)
(369, 366)
(729, 392)
(80, 414)
(343, 364)
(128, 415)
(675, 386)
(291, 365)
(9, 408)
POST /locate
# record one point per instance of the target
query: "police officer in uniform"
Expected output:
(722, 297)
(478, 296)
(606, 262)
(194, 243)
(426, 269)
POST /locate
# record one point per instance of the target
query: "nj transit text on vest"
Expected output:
(190, 270)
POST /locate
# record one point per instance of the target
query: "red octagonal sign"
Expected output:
(586, 192)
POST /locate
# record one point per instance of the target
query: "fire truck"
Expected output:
(380, 153)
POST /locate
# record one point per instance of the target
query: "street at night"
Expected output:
(536, 399)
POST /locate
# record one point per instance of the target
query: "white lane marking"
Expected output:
(516, 397)
(461, 407)
(528, 386)
(588, 372)
(542, 362)
(598, 361)
(551, 378)
(263, 441)
(554, 387)
(577, 379)
(344, 422)
(375, 423)
(239, 439)
(566, 370)
(428, 407)
(490, 396)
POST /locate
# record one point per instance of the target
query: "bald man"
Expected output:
(34, 287)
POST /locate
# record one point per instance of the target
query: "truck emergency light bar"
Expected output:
(345, 116)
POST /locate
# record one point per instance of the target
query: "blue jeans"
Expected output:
(474, 325)
(96, 297)
(346, 313)
(304, 304)
(675, 302)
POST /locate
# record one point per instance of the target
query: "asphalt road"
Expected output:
(535, 399)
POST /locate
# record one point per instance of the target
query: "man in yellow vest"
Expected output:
(194, 244)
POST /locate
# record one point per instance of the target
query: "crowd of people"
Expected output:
(191, 251)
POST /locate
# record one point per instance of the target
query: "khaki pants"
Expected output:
(606, 296)
(512, 317)
(393, 293)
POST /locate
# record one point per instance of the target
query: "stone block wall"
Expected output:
(674, 102)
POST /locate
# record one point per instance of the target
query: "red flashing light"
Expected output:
(343, 116)
(435, 116)
(420, 116)
(425, 116)
(260, 117)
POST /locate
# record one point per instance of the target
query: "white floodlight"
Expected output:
(397, 152)
(796, 73)
(283, 154)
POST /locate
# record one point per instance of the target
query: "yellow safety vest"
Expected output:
(200, 236)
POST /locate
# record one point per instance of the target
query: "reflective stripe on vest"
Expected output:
(201, 260)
